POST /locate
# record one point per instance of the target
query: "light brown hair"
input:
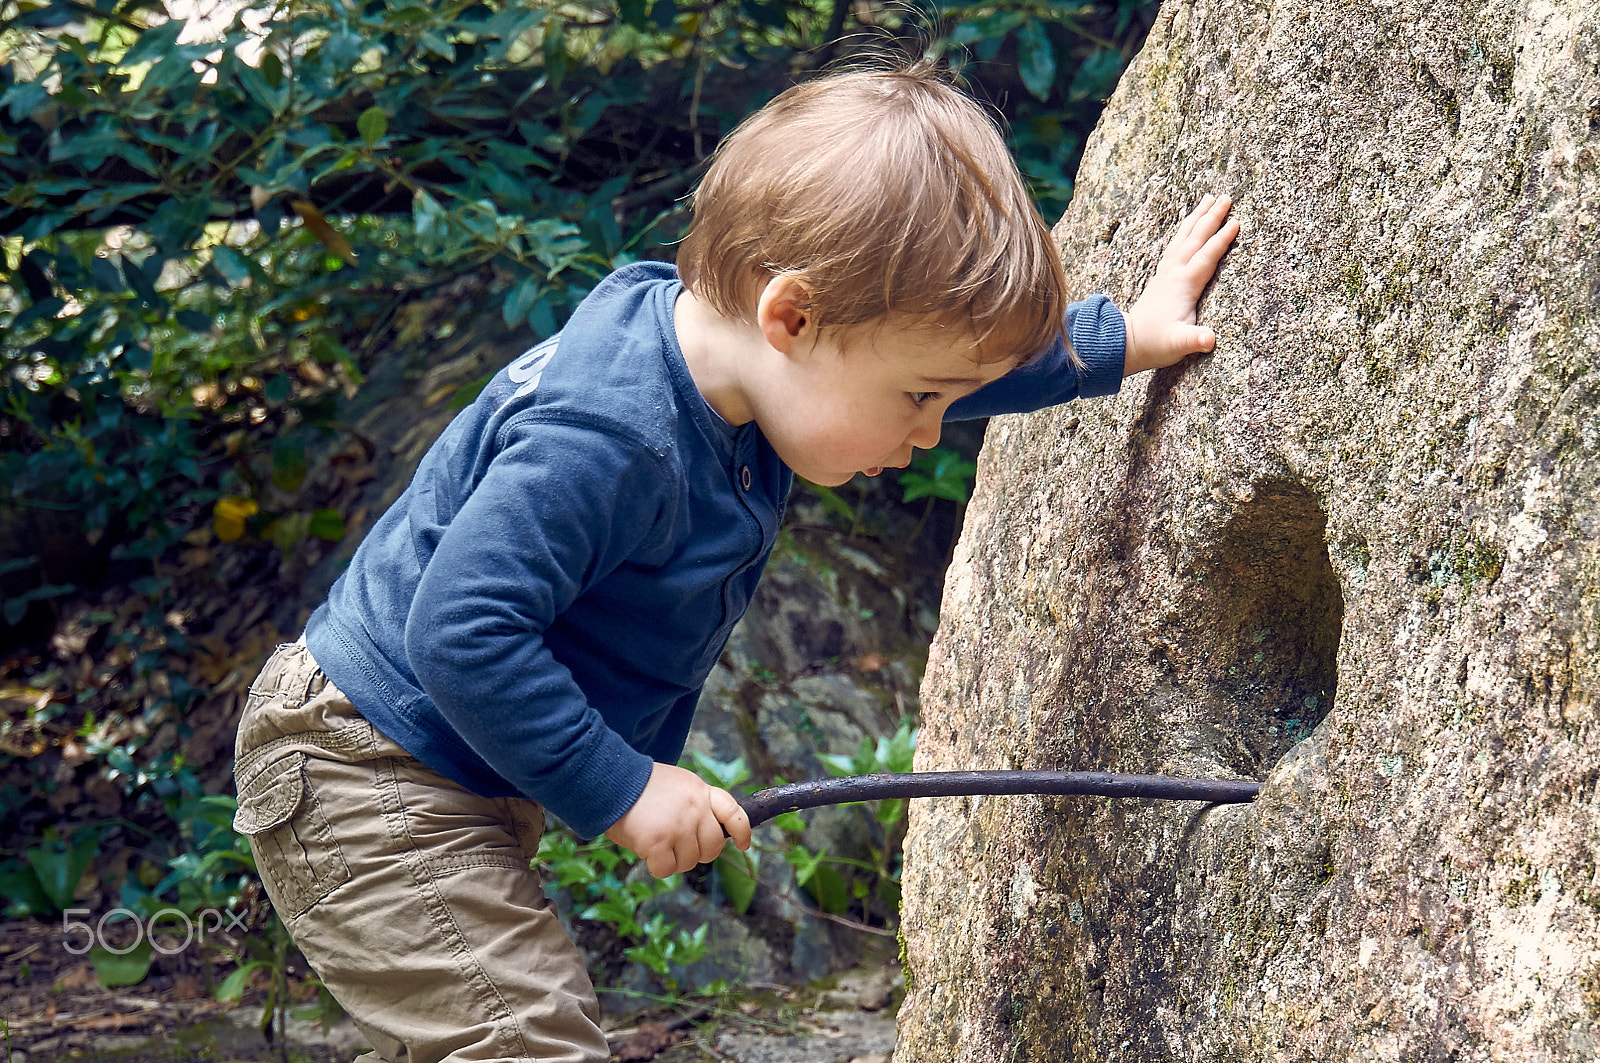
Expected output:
(885, 192)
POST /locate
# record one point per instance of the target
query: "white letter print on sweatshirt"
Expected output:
(527, 369)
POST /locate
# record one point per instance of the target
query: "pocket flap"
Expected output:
(271, 795)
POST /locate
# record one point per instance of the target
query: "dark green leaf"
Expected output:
(288, 464)
(372, 124)
(990, 27)
(178, 223)
(35, 270)
(142, 277)
(233, 986)
(141, 159)
(49, 590)
(195, 321)
(107, 275)
(737, 873)
(137, 358)
(513, 157)
(633, 13)
(771, 15)
(469, 391)
(436, 43)
(342, 50)
(542, 319)
(1097, 77)
(42, 309)
(154, 43)
(327, 524)
(17, 564)
(465, 109)
(129, 968)
(42, 224)
(24, 98)
(509, 26)
(554, 49)
(56, 186)
(171, 68)
(58, 867)
(828, 888)
(520, 300)
(273, 95)
(230, 264)
(100, 200)
(270, 216)
(19, 886)
(1036, 59)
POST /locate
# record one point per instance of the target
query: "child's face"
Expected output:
(862, 402)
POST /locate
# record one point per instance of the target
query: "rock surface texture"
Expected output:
(1354, 554)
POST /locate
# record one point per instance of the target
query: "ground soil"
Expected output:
(54, 1008)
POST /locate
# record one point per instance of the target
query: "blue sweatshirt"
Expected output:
(536, 614)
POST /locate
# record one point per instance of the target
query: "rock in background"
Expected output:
(1356, 554)
(830, 653)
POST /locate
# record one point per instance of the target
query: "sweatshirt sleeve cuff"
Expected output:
(1099, 335)
(605, 787)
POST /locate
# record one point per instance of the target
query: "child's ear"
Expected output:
(782, 313)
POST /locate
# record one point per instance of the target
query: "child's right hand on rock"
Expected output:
(1161, 324)
(678, 822)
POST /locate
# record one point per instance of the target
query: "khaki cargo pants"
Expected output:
(411, 897)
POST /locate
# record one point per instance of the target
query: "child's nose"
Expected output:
(924, 436)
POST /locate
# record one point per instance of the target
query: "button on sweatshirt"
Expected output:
(536, 614)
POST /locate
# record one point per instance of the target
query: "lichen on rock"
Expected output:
(1355, 554)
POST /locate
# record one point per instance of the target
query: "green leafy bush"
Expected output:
(834, 883)
(41, 884)
(197, 231)
(596, 876)
(938, 473)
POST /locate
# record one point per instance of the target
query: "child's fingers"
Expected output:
(1186, 226)
(1192, 233)
(1211, 252)
(709, 836)
(662, 861)
(731, 817)
(1209, 215)
(1195, 339)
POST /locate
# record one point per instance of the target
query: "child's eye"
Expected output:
(919, 398)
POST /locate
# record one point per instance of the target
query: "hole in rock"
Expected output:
(1274, 617)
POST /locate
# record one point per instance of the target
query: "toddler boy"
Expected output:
(530, 624)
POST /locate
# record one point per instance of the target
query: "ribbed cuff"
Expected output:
(609, 783)
(1099, 335)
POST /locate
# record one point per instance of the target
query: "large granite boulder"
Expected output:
(1354, 554)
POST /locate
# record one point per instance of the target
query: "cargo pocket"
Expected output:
(272, 705)
(296, 853)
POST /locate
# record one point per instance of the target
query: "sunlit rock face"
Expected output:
(1355, 554)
